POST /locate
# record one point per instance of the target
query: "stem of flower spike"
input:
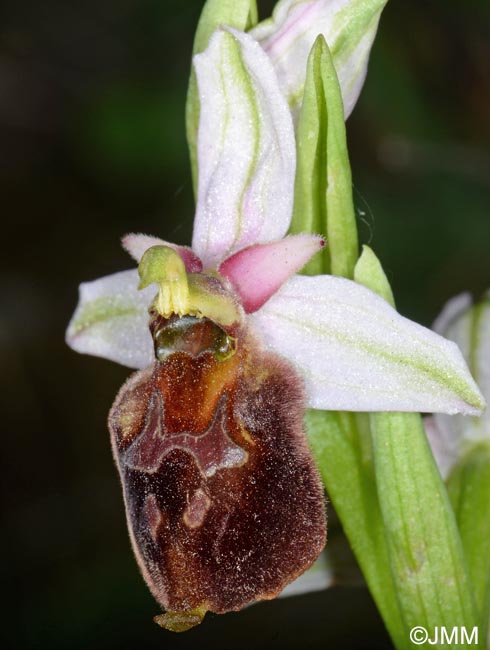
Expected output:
(425, 550)
(426, 554)
(341, 448)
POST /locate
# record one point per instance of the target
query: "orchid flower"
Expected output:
(348, 27)
(232, 349)
(353, 350)
(467, 325)
(461, 446)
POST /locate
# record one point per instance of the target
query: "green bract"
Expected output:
(323, 197)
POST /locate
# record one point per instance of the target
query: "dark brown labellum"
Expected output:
(223, 501)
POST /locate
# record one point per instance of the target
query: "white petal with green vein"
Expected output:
(240, 14)
(246, 149)
(349, 27)
(356, 353)
(111, 320)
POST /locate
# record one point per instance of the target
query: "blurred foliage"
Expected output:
(92, 126)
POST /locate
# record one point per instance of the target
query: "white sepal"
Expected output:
(111, 320)
(246, 149)
(356, 353)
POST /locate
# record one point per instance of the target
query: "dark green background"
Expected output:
(93, 146)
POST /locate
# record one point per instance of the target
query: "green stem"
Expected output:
(426, 554)
(340, 444)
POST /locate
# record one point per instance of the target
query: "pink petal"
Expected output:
(258, 271)
(137, 244)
